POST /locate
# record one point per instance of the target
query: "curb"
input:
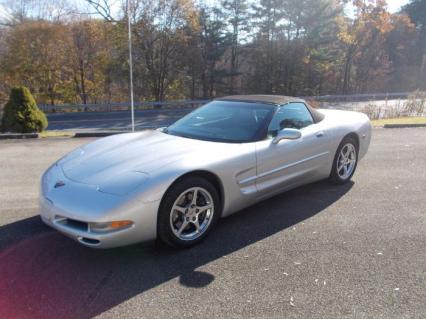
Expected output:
(97, 134)
(403, 125)
(18, 136)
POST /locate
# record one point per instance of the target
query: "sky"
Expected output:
(3, 13)
(395, 5)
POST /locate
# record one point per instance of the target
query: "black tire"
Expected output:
(164, 228)
(334, 175)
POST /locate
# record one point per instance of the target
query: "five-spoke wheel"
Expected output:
(188, 211)
(192, 213)
(345, 161)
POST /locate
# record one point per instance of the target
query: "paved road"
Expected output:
(320, 251)
(120, 120)
(117, 120)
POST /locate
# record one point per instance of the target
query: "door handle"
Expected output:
(319, 134)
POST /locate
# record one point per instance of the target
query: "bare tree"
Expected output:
(103, 8)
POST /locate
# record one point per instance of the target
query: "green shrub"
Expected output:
(21, 114)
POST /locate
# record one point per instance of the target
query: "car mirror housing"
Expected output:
(287, 134)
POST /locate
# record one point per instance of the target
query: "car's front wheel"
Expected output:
(188, 211)
(345, 161)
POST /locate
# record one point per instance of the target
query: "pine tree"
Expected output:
(21, 114)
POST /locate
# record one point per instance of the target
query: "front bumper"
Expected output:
(72, 207)
(87, 238)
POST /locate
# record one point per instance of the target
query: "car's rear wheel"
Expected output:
(345, 161)
(188, 211)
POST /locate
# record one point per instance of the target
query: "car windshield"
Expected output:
(224, 121)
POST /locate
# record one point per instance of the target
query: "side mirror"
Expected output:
(287, 134)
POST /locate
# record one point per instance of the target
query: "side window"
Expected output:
(293, 115)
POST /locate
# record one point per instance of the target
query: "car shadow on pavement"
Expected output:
(46, 275)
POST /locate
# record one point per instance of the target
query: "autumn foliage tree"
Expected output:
(182, 49)
(37, 57)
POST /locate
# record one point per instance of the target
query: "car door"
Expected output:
(290, 163)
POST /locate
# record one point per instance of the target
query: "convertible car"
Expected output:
(174, 183)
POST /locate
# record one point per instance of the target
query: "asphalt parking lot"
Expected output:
(319, 251)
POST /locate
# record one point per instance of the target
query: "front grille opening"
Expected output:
(72, 223)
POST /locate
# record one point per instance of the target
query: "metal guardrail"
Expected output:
(360, 97)
(108, 107)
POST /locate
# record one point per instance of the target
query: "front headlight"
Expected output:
(124, 183)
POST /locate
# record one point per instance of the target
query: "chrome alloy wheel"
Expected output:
(192, 213)
(346, 161)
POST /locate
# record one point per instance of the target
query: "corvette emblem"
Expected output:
(59, 184)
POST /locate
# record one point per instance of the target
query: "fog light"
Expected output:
(110, 226)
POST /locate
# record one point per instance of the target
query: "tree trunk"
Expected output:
(204, 83)
(83, 84)
(347, 71)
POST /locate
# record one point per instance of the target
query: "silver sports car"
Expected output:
(174, 183)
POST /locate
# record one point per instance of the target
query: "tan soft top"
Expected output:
(275, 100)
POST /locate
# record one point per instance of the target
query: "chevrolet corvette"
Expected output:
(174, 183)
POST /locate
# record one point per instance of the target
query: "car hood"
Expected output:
(142, 152)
